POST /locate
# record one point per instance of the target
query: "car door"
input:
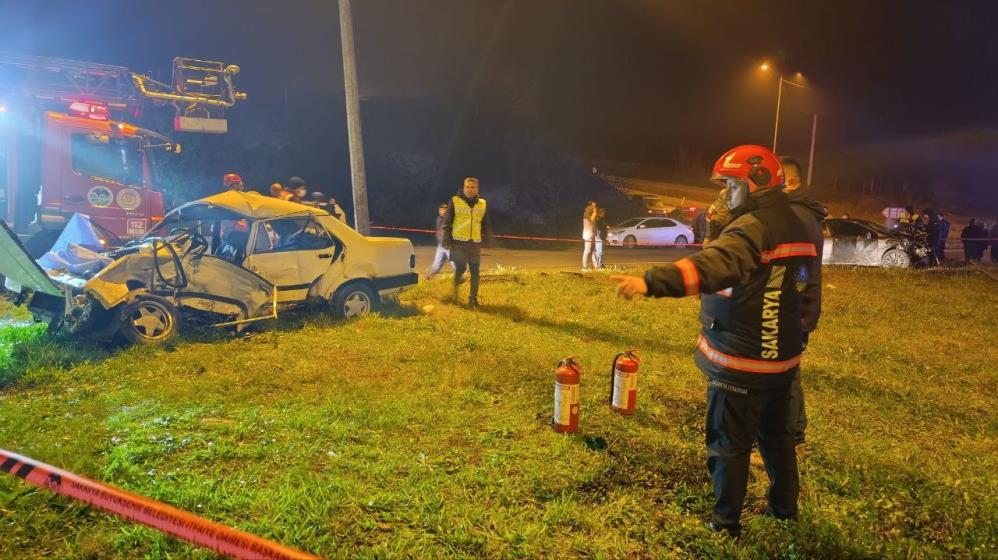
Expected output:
(667, 232)
(648, 232)
(291, 253)
(849, 241)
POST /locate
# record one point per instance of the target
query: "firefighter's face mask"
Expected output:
(735, 193)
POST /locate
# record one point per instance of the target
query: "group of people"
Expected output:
(594, 232)
(933, 225)
(976, 238)
(296, 191)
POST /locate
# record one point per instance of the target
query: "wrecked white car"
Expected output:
(232, 258)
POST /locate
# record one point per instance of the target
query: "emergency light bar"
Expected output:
(89, 110)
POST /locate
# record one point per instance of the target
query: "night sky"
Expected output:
(625, 80)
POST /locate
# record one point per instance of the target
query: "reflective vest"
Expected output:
(467, 220)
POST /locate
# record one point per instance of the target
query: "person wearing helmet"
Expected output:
(232, 182)
(750, 280)
(298, 189)
(277, 190)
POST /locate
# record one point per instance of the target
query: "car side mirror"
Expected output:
(642, 226)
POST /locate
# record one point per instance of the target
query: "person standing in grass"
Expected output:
(588, 232)
(466, 227)
(751, 340)
(967, 237)
(600, 232)
(810, 212)
(943, 236)
(443, 254)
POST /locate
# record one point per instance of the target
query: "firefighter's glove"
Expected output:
(630, 286)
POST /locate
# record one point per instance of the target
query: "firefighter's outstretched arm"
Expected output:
(727, 261)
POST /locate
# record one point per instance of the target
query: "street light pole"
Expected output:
(776, 127)
(361, 218)
(810, 158)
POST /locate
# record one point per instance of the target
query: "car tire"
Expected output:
(630, 242)
(149, 319)
(895, 258)
(681, 240)
(353, 301)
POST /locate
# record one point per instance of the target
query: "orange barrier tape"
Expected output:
(148, 512)
(532, 238)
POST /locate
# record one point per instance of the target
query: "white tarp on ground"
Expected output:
(76, 248)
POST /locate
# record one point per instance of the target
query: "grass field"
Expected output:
(424, 432)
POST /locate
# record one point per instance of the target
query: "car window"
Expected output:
(667, 223)
(102, 157)
(847, 229)
(291, 234)
(875, 227)
(655, 222)
(629, 223)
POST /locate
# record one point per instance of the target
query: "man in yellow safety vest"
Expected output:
(466, 226)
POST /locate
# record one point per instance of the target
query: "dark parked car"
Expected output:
(866, 243)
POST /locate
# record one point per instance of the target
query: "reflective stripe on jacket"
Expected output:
(467, 225)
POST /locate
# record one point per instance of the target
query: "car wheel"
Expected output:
(353, 301)
(630, 242)
(895, 258)
(681, 240)
(149, 319)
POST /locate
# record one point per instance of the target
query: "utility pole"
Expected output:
(361, 218)
(810, 158)
(776, 127)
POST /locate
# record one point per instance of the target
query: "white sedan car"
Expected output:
(650, 231)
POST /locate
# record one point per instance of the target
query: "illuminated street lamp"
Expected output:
(776, 126)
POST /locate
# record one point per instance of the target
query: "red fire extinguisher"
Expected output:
(566, 397)
(624, 383)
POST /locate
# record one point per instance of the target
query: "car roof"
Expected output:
(252, 205)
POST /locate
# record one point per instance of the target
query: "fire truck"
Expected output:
(69, 142)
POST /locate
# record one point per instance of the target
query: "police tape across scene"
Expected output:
(151, 513)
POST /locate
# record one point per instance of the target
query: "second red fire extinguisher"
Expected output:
(566, 397)
(624, 383)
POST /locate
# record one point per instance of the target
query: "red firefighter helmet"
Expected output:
(230, 179)
(756, 165)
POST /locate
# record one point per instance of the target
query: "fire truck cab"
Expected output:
(63, 152)
(55, 164)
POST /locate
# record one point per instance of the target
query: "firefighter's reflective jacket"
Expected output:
(750, 281)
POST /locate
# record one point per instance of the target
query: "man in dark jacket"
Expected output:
(466, 228)
(943, 236)
(750, 343)
(932, 234)
(811, 213)
(968, 237)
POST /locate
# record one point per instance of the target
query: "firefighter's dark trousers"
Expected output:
(736, 419)
(798, 417)
(467, 255)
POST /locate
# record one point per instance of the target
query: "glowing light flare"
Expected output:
(764, 66)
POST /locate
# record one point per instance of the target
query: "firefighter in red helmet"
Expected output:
(750, 280)
(232, 182)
